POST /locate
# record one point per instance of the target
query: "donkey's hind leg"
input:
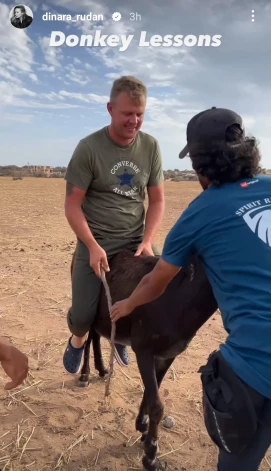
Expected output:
(85, 371)
(98, 358)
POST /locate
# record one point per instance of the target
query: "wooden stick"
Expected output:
(173, 451)
(24, 389)
(113, 334)
(27, 441)
(97, 457)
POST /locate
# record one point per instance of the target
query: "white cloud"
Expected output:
(168, 112)
(38, 104)
(157, 67)
(81, 6)
(86, 97)
(52, 55)
(33, 77)
(32, 4)
(14, 95)
(7, 75)
(112, 76)
(76, 75)
(16, 46)
(89, 67)
(52, 96)
(9, 91)
(46, 68)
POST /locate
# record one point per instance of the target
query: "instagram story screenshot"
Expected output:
(135, 235)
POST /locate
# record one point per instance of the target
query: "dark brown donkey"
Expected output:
(157, 332)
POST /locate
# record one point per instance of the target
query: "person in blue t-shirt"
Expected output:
(229, 227)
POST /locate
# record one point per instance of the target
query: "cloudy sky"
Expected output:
(51, 97)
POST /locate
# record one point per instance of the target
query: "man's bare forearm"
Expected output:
(79, 225)
(145, 292)
(154, 216)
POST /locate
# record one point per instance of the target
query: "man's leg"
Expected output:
(250, 459)
(86, 287)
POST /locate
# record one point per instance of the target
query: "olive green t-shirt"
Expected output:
(115, 178)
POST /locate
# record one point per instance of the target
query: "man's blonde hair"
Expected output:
(130, 85)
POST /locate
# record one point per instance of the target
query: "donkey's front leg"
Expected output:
(142, 420)
(146, 365)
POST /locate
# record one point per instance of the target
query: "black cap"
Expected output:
(209, 125)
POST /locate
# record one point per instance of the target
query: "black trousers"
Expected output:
(250, 459)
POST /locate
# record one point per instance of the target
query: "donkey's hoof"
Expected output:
(103, 373)
(83, 384)
(155, 465)
(83, 381)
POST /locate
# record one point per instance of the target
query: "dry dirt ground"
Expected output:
(49, 423)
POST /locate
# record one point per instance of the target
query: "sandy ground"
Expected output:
(49, 423)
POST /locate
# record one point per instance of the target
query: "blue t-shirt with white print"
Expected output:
(230, 229)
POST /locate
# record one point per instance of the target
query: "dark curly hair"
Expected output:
(227, 162)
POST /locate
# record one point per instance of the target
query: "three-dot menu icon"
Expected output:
(252, 15)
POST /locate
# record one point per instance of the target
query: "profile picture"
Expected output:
(21, 16)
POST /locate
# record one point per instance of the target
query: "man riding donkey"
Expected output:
(106, 181)
(229, 227)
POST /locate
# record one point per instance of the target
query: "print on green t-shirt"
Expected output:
(115, 178)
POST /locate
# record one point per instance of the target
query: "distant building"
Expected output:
(41, 170)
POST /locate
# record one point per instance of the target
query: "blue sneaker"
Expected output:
(72, 358)
(121, 355)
